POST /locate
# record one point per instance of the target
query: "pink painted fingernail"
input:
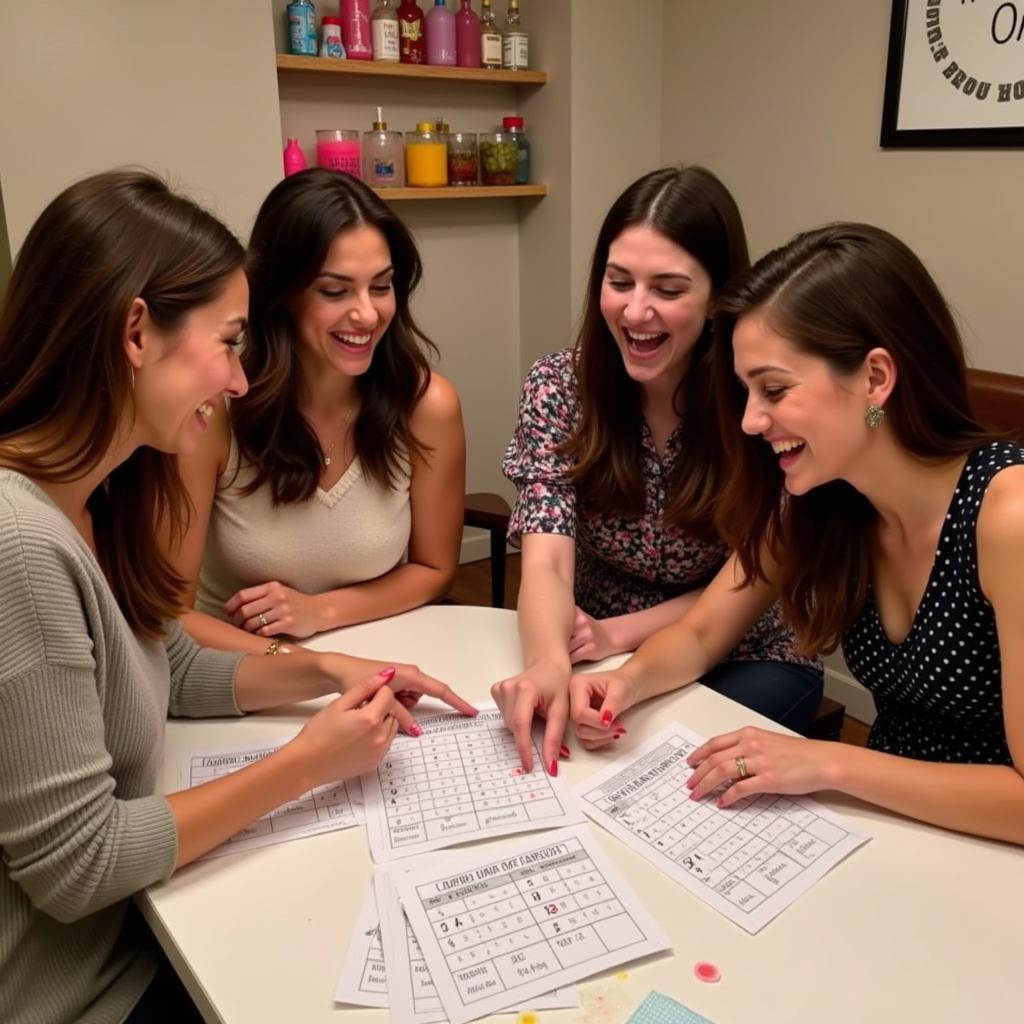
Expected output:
(415, 730)
(606, 718)
(719, 803)
(553, 768)
(387, 673)
(621, 730)
(564, 751)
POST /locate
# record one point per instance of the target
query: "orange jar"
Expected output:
(426, 157)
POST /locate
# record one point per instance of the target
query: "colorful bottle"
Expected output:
(338, 150)
(412, 44)
(490, 38)
(383, 156)
(355, 29)
(302, 28)
(426, 157)
(515, 43)
(440, 35)
(384, 27)
(331, 45)
(514, 127)
(294, 158)
(467, 36)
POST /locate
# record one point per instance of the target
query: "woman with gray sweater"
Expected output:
(118, 335)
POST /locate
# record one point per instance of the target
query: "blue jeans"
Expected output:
(785, 693)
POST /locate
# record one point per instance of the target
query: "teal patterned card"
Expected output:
(659, 1009)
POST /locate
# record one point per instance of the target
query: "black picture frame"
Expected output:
(893, 137)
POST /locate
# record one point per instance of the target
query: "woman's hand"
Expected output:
(591, 639)
(351, 735)
(542, 690)
(596, 700)
(272, 608)
(759, 761)
(408, 683)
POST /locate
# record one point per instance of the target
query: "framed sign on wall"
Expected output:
(955, 74)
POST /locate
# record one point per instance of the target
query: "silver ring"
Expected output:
(262, 619)
(741, 767)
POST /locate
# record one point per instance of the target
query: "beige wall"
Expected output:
(784, 101)
(185, 88)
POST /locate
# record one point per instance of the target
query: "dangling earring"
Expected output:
(874, 416)
(131, 370)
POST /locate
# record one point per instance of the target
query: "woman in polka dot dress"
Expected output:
(902, 539)
(617, 461)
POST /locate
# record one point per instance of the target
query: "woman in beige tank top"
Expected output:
(332, 492)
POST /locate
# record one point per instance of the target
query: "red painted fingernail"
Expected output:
(617, 736)
(387, 673)
(693, 795)
(621, 729)
(719, 802)
(415, 730)
(564, 751)
(606, 718)
(553, 769)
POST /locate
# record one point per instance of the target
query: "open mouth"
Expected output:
(788, 450)
(644, 344)
(203, 414)
(354, 343)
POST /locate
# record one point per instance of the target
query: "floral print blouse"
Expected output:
(623, 563)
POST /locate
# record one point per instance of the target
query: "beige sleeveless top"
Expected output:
(356, 531)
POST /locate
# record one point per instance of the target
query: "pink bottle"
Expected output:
(355, 29)
(294, 158)
(467, 36)
(440, 35)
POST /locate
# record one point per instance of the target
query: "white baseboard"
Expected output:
(845, 689)
(476, 546)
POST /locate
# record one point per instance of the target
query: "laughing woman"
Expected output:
(902, 539)
(332, 493)
(618, 466)
(120, 322)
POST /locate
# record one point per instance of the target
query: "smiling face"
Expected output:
(181, 374)
(343, 314)
(654, 299)
(812, 417)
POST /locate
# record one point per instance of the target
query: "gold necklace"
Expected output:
(344, 433)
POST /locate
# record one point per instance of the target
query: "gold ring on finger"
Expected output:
(741, 767)
(262, 619)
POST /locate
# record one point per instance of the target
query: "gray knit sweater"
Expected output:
(82, 708)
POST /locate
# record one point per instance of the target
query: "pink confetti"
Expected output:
(707, 972)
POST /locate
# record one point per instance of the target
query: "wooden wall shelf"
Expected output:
(464, 192)
(329, 66)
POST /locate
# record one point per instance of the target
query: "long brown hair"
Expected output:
(293, 233)
(693, 209)
(64, 376)
(836, 293)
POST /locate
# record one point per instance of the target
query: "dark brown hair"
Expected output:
(836, 293)
(64, 376)
(693, 209)
(294, 230)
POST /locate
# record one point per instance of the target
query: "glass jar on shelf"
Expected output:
(514, 126)
(426, 157)
(463, 159)
(499, 158)
(339, 150)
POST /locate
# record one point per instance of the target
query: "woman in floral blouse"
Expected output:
(617, 464)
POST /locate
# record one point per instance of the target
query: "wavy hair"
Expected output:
(693, 209)
(64, 377)
(293, 233)
(836, 293)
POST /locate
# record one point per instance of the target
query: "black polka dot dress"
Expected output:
(939, 693)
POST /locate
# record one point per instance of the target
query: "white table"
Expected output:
(919, 925)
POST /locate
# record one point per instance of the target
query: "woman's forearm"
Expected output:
(982, 799)
(269, 681)
(671, 658)
(208, 631)
(400, 590)
(628, 632)
(545, 612)
(208, 815)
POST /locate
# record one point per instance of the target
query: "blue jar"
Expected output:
(302, 28)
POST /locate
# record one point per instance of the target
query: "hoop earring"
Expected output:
(874, 416)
